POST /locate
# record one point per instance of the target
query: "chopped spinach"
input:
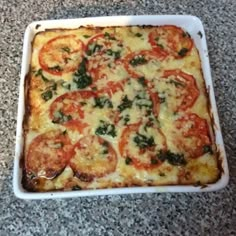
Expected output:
(102, 102)
(93, 48)
(47, 95)
(86, 36)
(108, 36)
(80, 77)
(66, 49)
(126, 119)
(207, 148)
(177, 83)
(59, 117)
(128, 161)
(173, 158)
(142, 81)
(183, 52)
(126, 103)
(138, 60)
(105, 145)
(160, 45)
(39, 72)
(65, 85)
(162, 99)
(116, 54)
(143, 141)
(106, 129)
(138, 35)
(154, 160)
(56, 68)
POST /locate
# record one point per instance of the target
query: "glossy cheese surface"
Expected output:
(115, 107)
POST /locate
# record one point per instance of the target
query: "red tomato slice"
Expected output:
(48, 154)
(133, 60)
(68, 109)
(171, 40)
(187, 86)
(93, 157)
(195, 134)
(146, 154)
(61, 55)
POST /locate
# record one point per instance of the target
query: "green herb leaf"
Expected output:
(142, 81)
(108, 36)
(126, 103)
(177, 83)
(39, 72)
(128, 161)
(207, 148)
(138, 60)
(66, 49)
(80, 77)
(143, 141)
(47, 95)
(76, 188)
(56, 68)
(59, 117)
(86, 36)
(138, 35)
(93, 48)
(106, 129)
(173, 158)
(102, 102)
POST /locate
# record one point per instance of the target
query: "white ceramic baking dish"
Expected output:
(190, 23)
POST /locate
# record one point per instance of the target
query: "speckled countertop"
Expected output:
(140, 214)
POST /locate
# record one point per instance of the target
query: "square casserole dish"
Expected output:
(191, 24)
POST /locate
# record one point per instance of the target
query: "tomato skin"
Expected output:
(147, 54)
(198, 130)
(84, 170)
(52, 47)
(135, 161)
(175, 37)
(72, 108)
(190, 86)
(48, 154)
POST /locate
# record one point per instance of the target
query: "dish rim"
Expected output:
(188, 22)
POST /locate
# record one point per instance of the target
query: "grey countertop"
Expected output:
(141, 214)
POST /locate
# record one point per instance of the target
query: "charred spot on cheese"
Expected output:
(138, 60)
(200, 34)
(126, 103)
(102, 102)
(80, 77)
(105, 128)
(172, 158)
(183, 52)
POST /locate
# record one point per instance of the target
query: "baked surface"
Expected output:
(117, 106)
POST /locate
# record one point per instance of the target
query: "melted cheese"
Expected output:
(131, 40)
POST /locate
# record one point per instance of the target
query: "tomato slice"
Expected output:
(93, 157)
(61, 54)
(68, 109)
(141, 144)
(133, 62)
(48, 154)
(195, 135)
(171, 40)
(186, 87)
